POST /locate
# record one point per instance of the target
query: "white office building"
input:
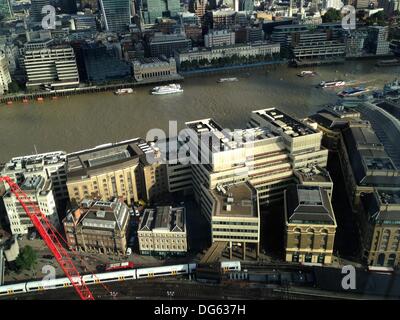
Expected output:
(49, 165)
(39, 191)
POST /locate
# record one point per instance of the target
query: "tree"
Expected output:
(13, 87)
(332, 15)
(378, 18)
(26, 259)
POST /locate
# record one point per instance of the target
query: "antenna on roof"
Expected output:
(35, 149)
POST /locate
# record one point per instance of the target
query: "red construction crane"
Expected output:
(48, 234)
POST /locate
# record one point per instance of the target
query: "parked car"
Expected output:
(128, 251)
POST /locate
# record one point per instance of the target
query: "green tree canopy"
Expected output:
(26, 259)
(13, 87)
(378, 18)
(332, 15)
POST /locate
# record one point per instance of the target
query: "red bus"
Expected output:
(119, 266)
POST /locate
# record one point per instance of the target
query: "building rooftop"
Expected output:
(163, 218)
(308, 204)
(34, 162)
(239, 200)
(100, 214)
(284, 123)
(82, 163)
(370, 163)
(383, 206)
(313, 174)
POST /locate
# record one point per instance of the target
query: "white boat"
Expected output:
(124, 91)
(306, 73)
(332, 84)
(168, 89)
(227, 80)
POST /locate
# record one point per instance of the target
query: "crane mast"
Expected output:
(48, 233)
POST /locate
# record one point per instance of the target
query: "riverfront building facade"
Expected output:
(55, 67)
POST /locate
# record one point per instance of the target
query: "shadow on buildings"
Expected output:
(272, 230)
(347, 243)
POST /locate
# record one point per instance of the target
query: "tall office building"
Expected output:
(155, 9)
(100, 64)
(6, 9)
(36, 10)
(116, 14)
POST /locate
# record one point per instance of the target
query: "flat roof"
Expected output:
(103, 156)
(235, 201)
(314, 174)
(288, 124)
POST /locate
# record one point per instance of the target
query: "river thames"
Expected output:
(83, 121)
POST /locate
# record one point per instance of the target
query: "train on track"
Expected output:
(129, 274)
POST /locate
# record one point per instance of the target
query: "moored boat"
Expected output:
(168, 89)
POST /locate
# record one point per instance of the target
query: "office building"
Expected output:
(162, 231)
(50, 165)
(116, 14)
(355, 41)
(315, 176)
(378, 43)
(222, 18)
(310, 225)
(194, 33)
(265, 155)
(219, 38)
(315, 48)
(365, 162)
(280, 34)
(167, 44)
(5, 77)
(98, 227)
(198, 7)
(154, 69)
(36, 14)
(153, 10)
(330, 121)
(85, 22)
(39, 190)
(55, 67)
(379, 227)
(119, 170)
(235, 216)
(102, 64)
(254, 34)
